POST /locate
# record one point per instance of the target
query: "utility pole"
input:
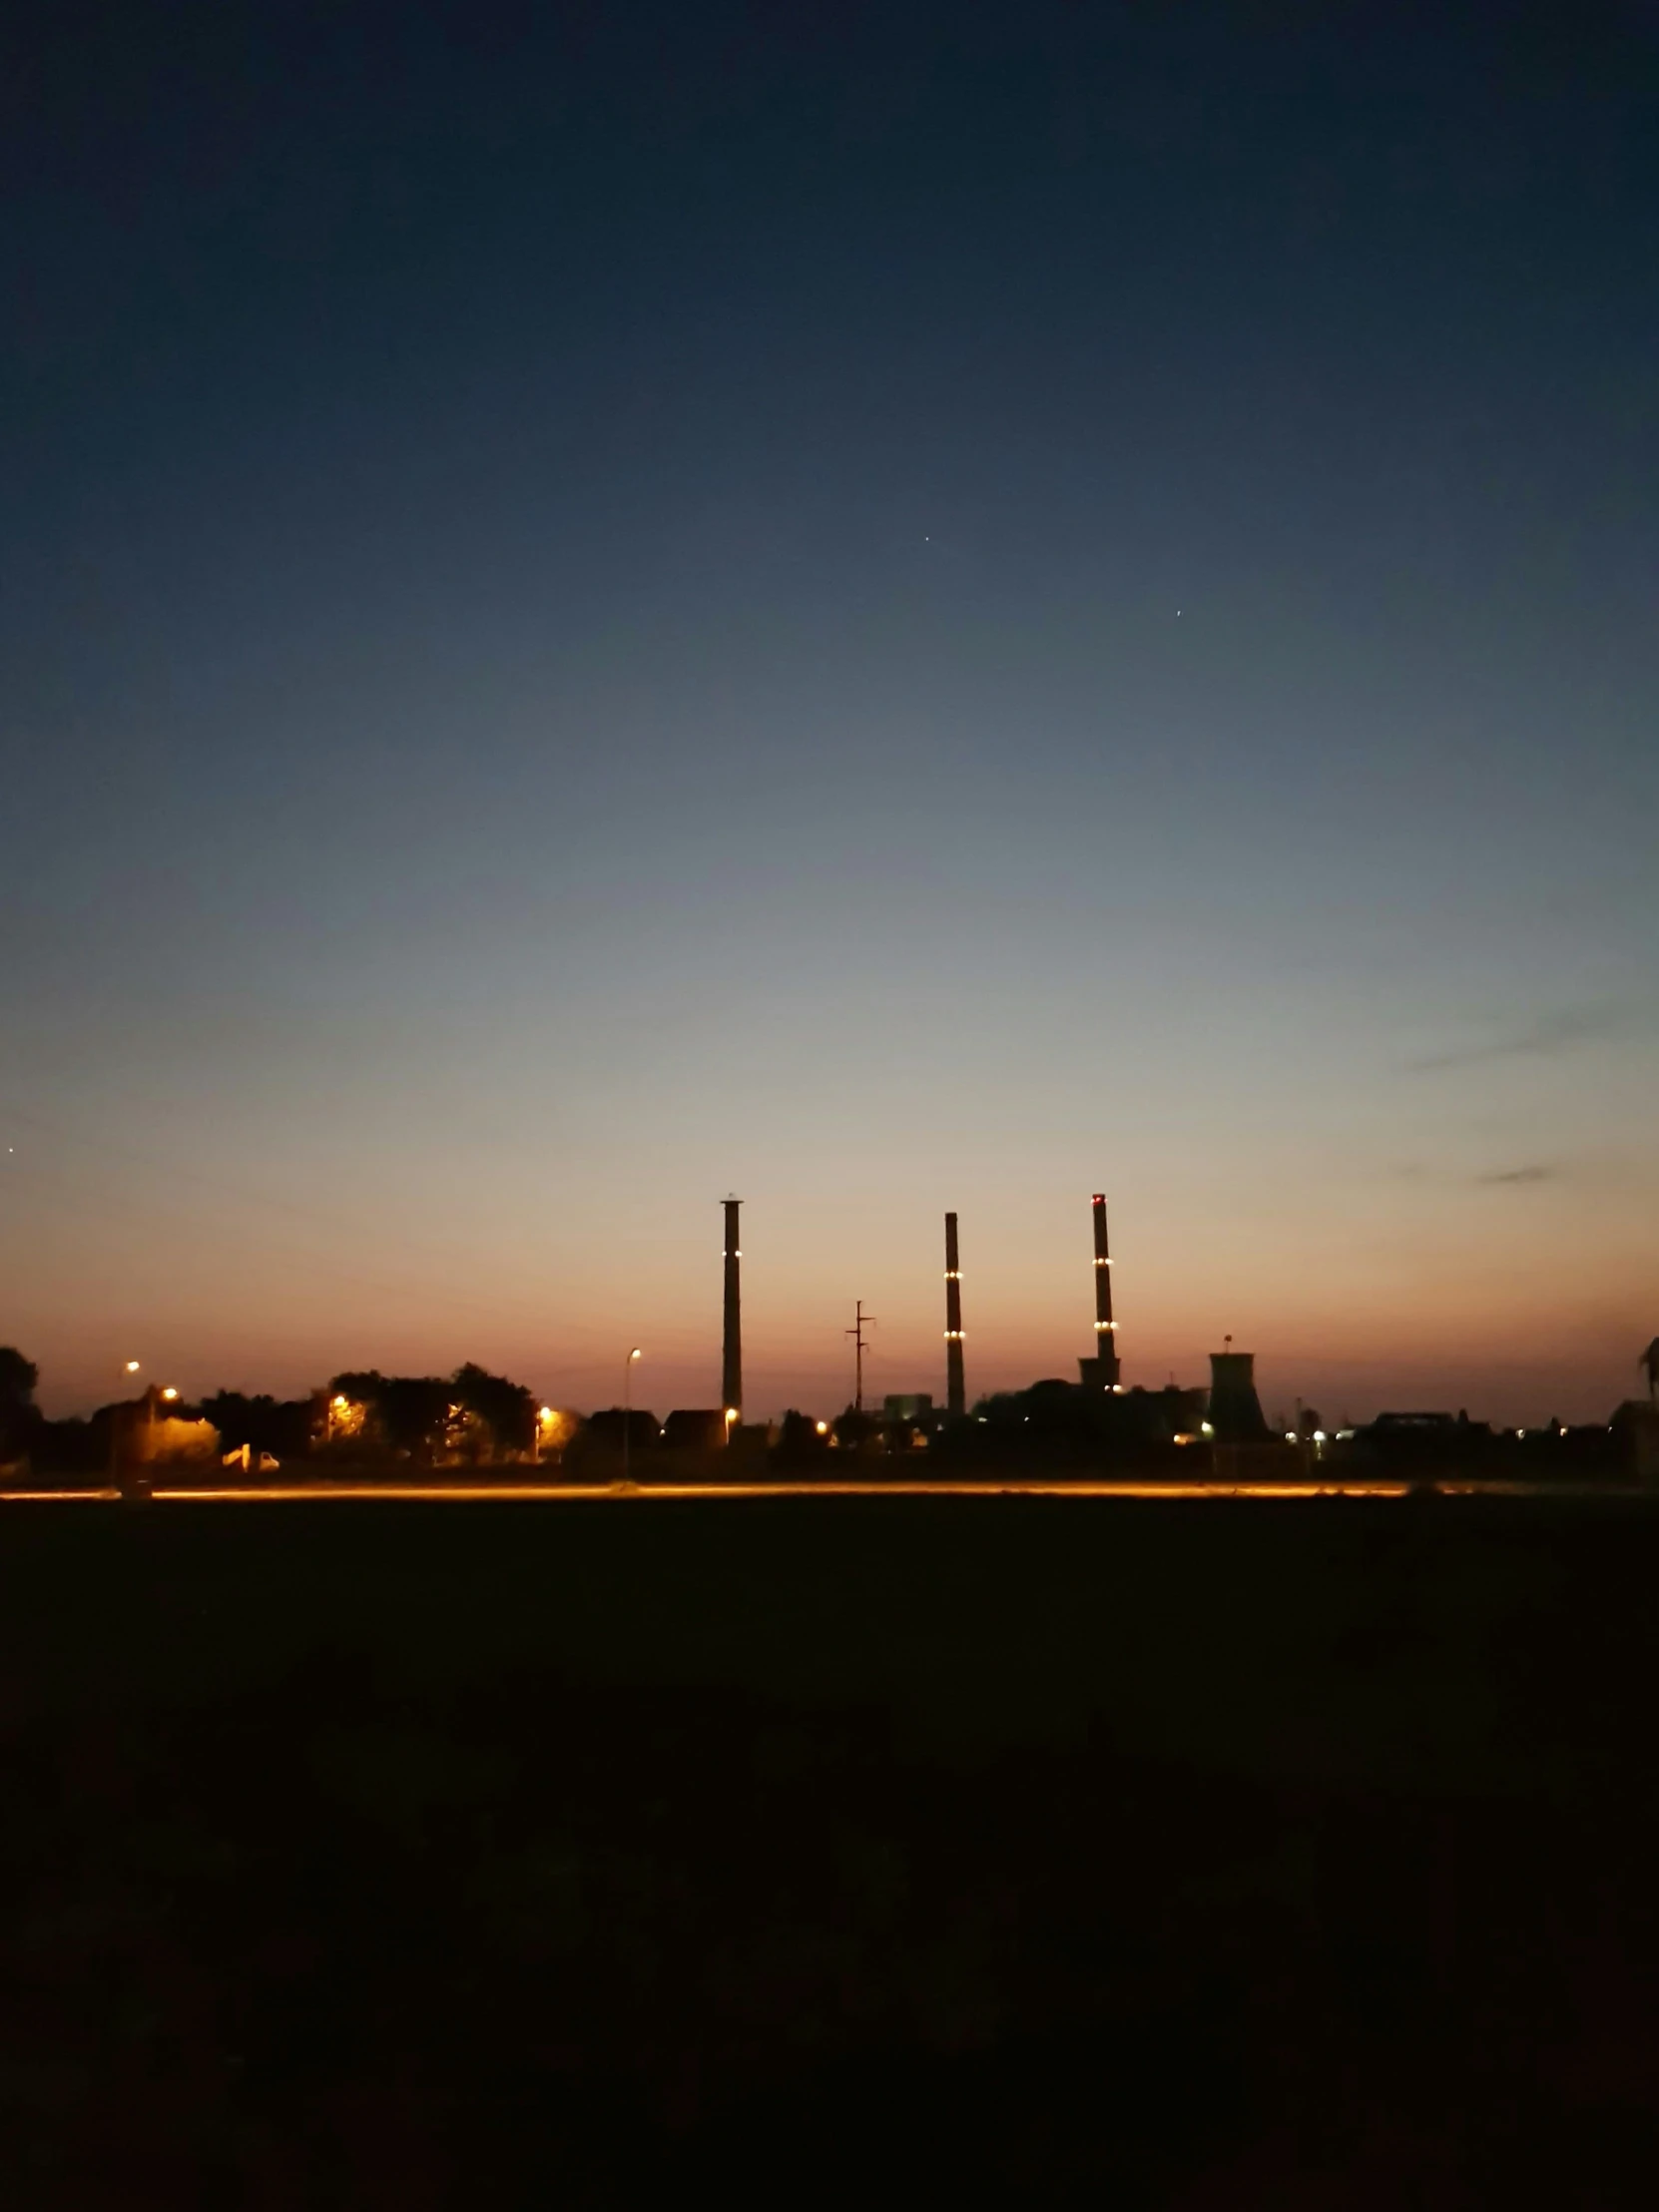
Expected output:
(628, 1415)
(856, 1332)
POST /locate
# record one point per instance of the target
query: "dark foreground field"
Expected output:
(856, 1851)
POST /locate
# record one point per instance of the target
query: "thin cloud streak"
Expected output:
(1551, 1035)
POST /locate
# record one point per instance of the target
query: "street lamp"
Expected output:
(117, 1432)
(628, 1411)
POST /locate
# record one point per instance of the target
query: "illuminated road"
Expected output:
(548, 1493)
(577, 1494)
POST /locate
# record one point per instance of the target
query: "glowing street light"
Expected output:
(542, 1431)
(170, 1393)
(132, 1367)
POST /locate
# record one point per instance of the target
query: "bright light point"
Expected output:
(1319, 1436)
(1206, 1427)
(546, 1412)
(132, 1367)
(634, 1354)
(169, 1393)
(823, 1427)
(731, 1415)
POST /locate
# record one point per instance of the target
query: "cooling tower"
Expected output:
(1235, 1409)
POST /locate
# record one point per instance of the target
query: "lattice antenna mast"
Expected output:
(856, 1332)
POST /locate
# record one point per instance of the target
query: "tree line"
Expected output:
(470, 1415)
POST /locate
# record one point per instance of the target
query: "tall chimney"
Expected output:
(731, 1365)
(1105, 1329)
(955, 1388)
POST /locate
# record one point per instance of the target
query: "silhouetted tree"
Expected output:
(506, 1410)
(421, 1415)
(18, 1416)
(72, 1446)
(415, 1413)
(280, 1426)
(364, 1386)
(799, 1449)
(856, 1432)
(18, 1376)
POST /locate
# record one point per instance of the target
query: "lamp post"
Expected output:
(628, 1413)
(116, 1437)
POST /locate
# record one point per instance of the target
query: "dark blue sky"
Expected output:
(886, 606)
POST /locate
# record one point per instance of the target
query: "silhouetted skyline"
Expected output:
(902, 609)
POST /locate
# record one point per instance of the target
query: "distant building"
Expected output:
(914, 1405)
(603, 1433)
(1423, 1439)
(695, 1429)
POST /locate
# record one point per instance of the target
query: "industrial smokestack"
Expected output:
(1105, 1328)
(731, 1366)
(1103, 1370)
(955, 1388)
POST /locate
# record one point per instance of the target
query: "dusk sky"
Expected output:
(879, 607)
